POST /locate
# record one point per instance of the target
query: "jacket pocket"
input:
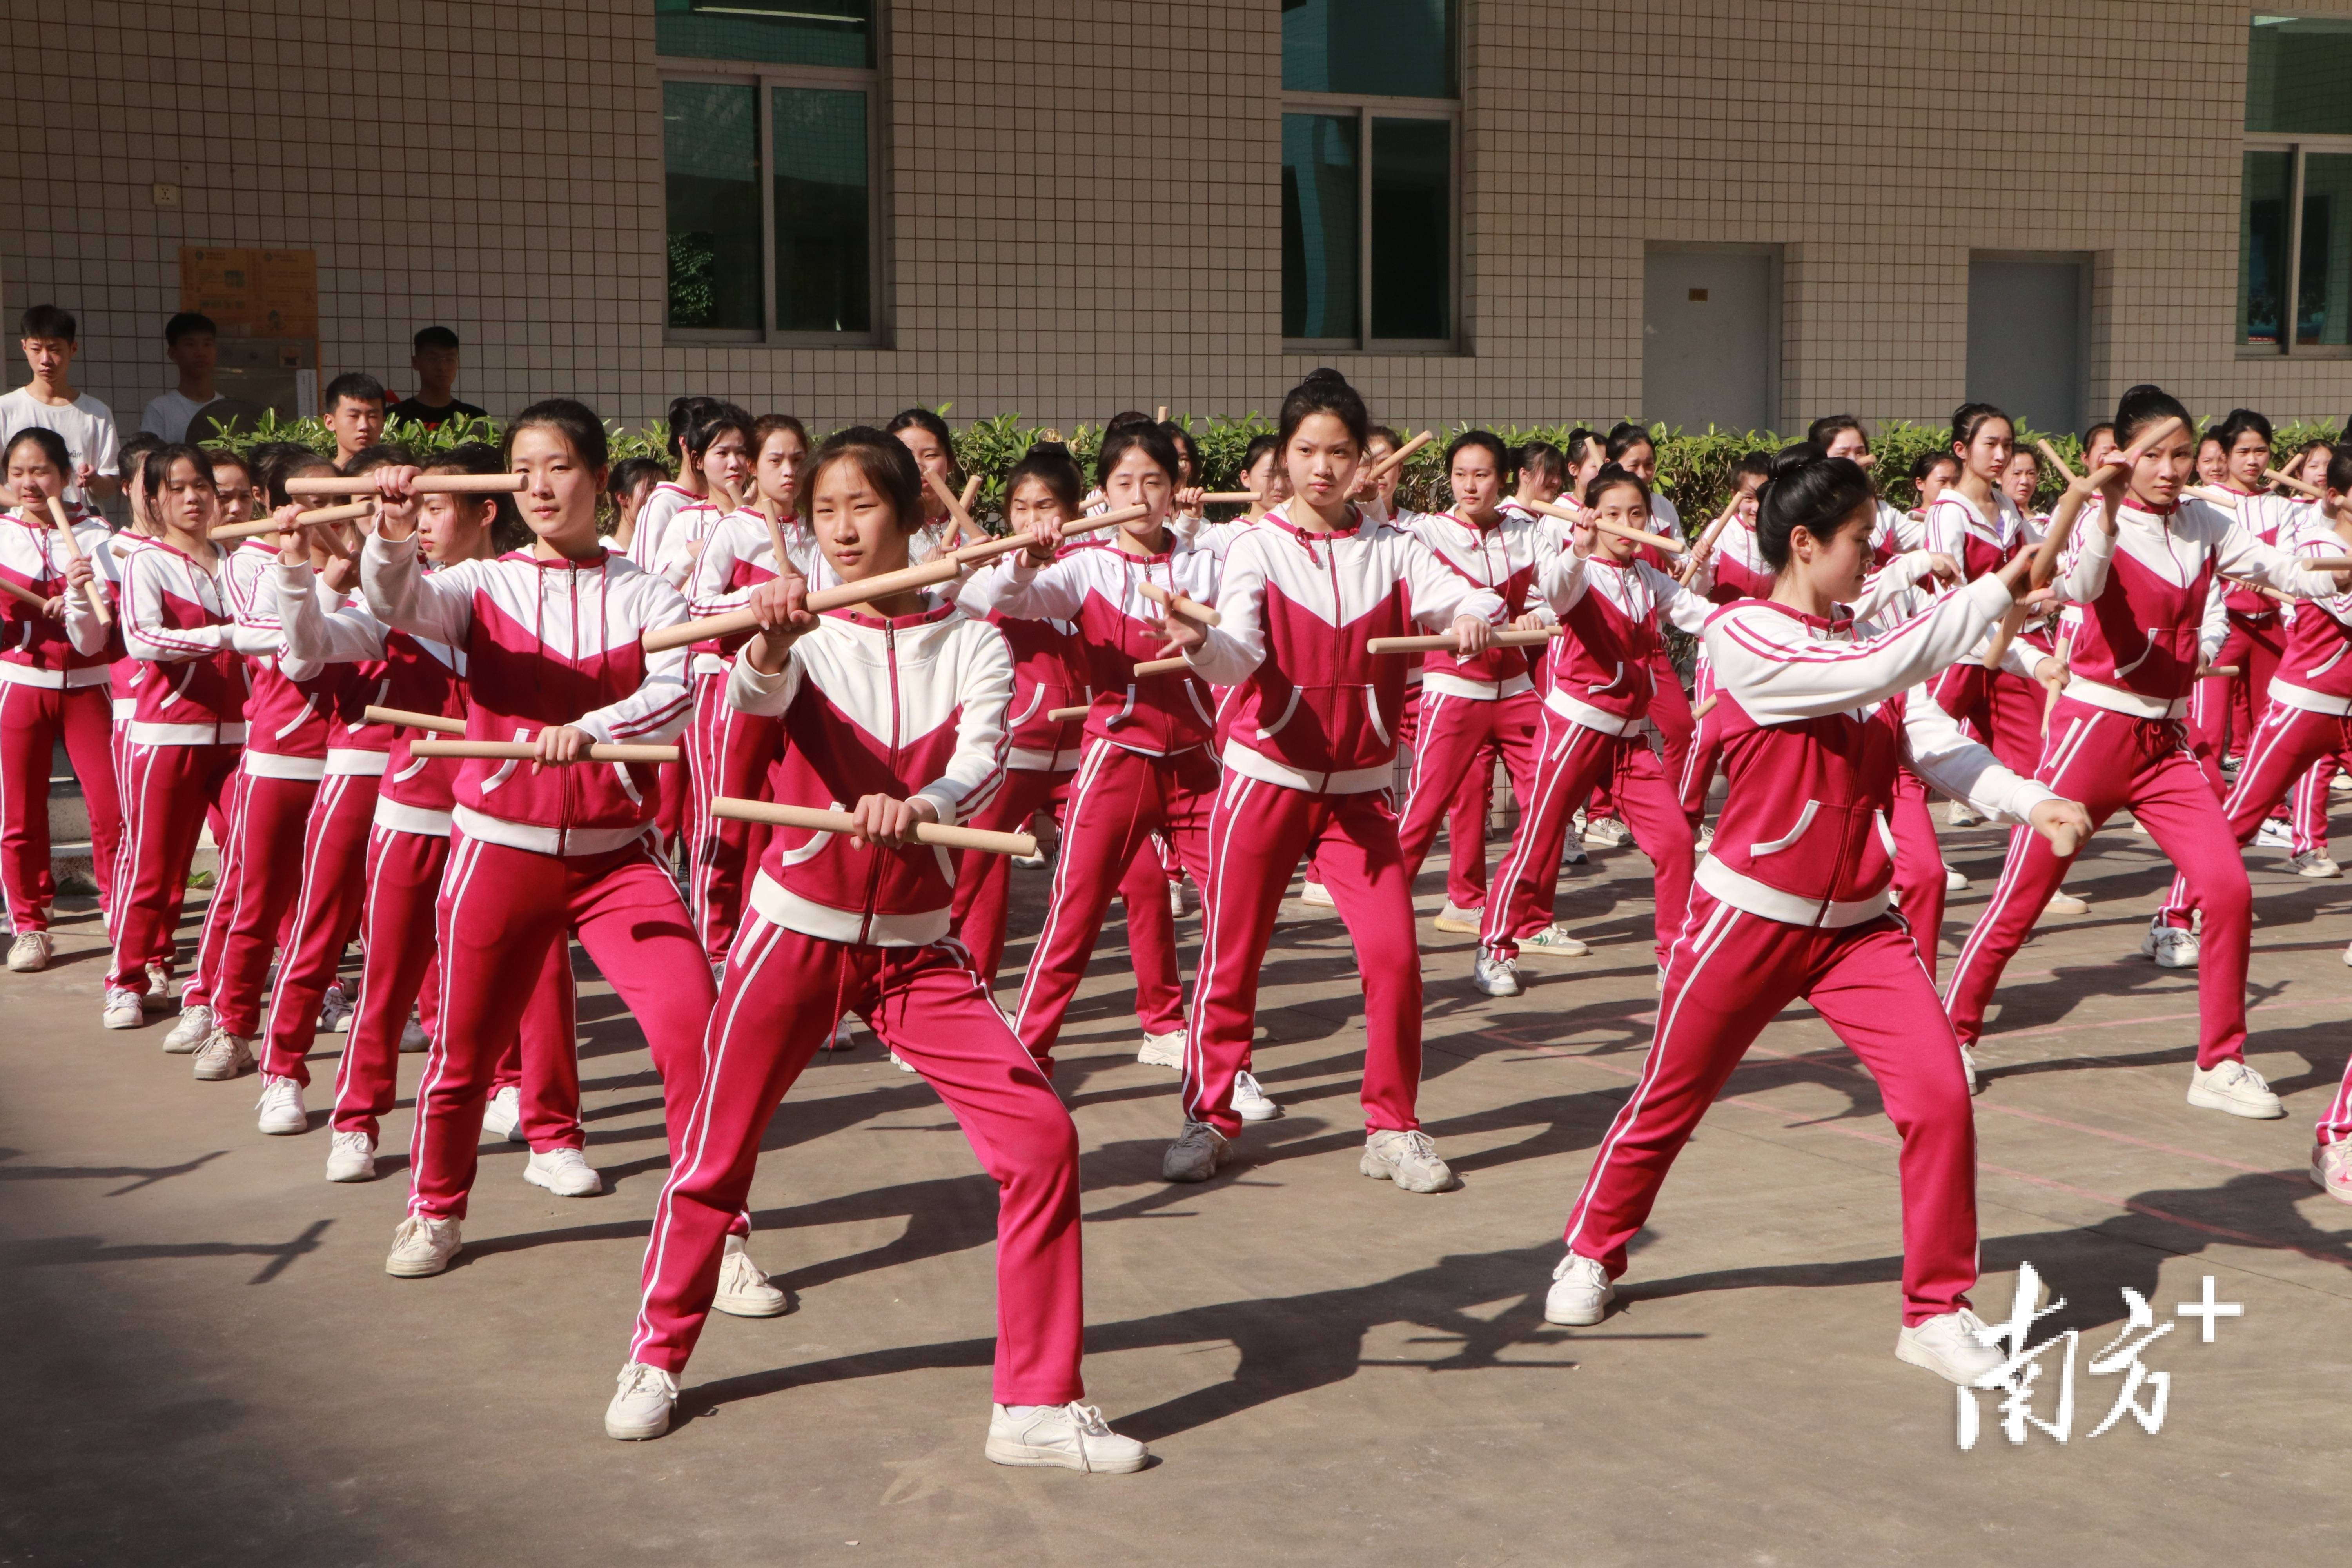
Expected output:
(1804, 821)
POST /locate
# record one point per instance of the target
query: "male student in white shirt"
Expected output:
(47, 335)
(193, 342)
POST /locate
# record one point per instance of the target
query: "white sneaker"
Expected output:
(2314, 864)
(1195, 1155)
(1454, 917)
(2274, 835)
(1250, 1102)
(2172, 947)
(1607, 832)
(159, 986)
(29, 953)
(1315, 893)
(1968, 1066)
(566, 1172)
(502, 1117)
(1163, 1051)
(351, 1157)
(334, 1010)
(1495, 976)
(281, 1107)
(2064, 903)
(1947, 1346)
(1554, 938)
(1706, 839)
(1176, 900)
(1036, 862)
(841, 1036)
(2235, 1087)
(2331, 1166)
(222, 1056)
(1574, 855)
(123, 1011)
(1408, 1159)
(2341, 785)
(2141, 829)
(196, 1025)
(1961, 814)
(901, 1063)
(422, 1247)
(744, 1290)
(1061, 1437)
(1953, 881)
(413, 1037)
(1579, 1294)
(641, 1408)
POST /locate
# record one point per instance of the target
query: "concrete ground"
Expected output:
(205, 1363)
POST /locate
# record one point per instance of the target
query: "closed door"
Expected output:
(1708, 353)
(2025, 339)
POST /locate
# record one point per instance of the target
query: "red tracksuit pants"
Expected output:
(396, 928)
(261, 876)
(326, 916)
(1454, 750)
(33, 719)
(1730, 974)
(1258, 832)
(729, 752)
(2278, 757)
(2108, 760)
(1118, 799)
(783, 992)
(2222, 709)
(1574, 760)
(2003, 710)
(500, 911)
(167, 791)
(1919, 889)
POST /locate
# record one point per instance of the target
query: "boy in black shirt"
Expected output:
(436, 364)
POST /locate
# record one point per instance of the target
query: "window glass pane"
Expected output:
(2261, 246)
(710, 154)
(822, 237)
(2299, 74)
(1399, 48)
(1413, 228)
(791, 32)
(2323, 291)
(1319, 225)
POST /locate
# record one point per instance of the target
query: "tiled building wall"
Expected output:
(1082, 197)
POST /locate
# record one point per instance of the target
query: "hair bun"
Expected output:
(1790, 458)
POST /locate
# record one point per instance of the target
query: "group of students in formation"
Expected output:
(1187, 700)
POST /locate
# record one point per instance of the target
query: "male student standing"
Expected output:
(47, 335)
(355, 412)
(193, 343)
(436, 364)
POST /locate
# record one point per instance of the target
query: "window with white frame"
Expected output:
(2294, 201)
(1371, 151)
(769, 136)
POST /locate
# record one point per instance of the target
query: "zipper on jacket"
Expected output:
(876, 852)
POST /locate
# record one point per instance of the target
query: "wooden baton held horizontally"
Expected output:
(318, 519)
(1553, 509)
(1063, 715)
(528, 752)
(73, 552)
(1163, 665)
(1444, 641)
(439, 724)
(1190, 608)
(423, 484)
(946, 838)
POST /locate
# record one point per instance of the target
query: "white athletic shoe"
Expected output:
(1705, 841)
(2341, 785)
(1036, 862)
(1408, 1159)
(2314, 864)
(566, 1172)
(1195, 1155)
(159, 986)
(1163, 1051)
(123, 1011)
(1574, 855)
(2235, 1087)
(29, 953)
(1495, 976)
(1176, 900)
(1953, 881)
(351, 1157)
(2141, 829)
(1968, 1066)
(641, 1408)
(1579, 1294)
(502, 1117)
(1250, 1101)
(1458, 920)
(2331, 1167)
(1316, 894)
(1607, 832)
(1961, 814)
(334, 1010)
(1061, 1437)
(2172, 947)
(280, 1105)
(413, 1037)
(1554, 938)
(841, 1036)
(422, 1247)
(901, 1063)
(222, 1056)
(1947, 1346)
(2065, 903)
(744, 1290)
(2274, 835)
(196, 1025)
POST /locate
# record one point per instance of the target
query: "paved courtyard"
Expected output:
(205, 1362)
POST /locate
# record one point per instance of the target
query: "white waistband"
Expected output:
(544, 840)
(787, 909)
(1592, 718)
(1451, 684)
(14, 674)
(401, 817)
(1744, 892)
(2115, 700)
(357, 764)
(2310, 701)
(145, 733)
(271, 766)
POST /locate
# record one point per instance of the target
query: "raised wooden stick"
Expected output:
(775, 535)
(1553, 509)
(2061, 529)
(424, 484)
(2297, 486)
(1178, 604)
(2212, 495)
(966, 530)
(2050, 455)
(1162, 415)
(17, 589)
(2065, 650)
(1381, 468)
(946, 838)
(439, 724)
(970, 491)
(1445, 641)
(1705, 548)
(1063, 715)
(318, 519)
(2326, 564)
(528, 751)
(73, 552)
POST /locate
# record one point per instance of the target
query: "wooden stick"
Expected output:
(1162, 415)
(2211, 495)
(424, 484)
(2065, 839)
(1670, 546)
(2325, 563)
(1445, 641)
(1703, 710)
(73, 552)
(2050, 455)
(966, 530)
(1395, 458)
(2061, 529)
(2297, 486)
(439, 724)
(1180, 604)
(38, 601)
(2065, 651)
(528, 751)
(947, 837)
(1706, 546)
(1162, 666)
(970, 491)
(318, 519)
(1228, 496)
(775, 535)
(2219, 672)
(1063, 715)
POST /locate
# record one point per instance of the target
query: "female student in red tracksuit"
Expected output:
(718, 444)
(1308, 758)
(53, 676)
(2224, 709)
(2142, 570)
(542, 849)
(896, 710)
(1978, 525)
(1793, 900)
(180, 755)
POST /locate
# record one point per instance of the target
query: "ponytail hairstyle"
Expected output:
(2145, 404)
(1050, 464)
(1810, 491)
(1623, 436)
(886, 463)
(685, 412)
(1613, 475)
(508, 530)
(158, 469)
(2340, 467)
(1970, 417)
(1325, 391)
(700, 436)
(2237, 423)
(1125, 438)
(579, 426)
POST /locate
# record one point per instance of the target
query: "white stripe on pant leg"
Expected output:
(2069, 748)
(329, 797)
(375, 948)
(1507, 876)
(1091, 770)
(135, 835)
(1430, 705)
(1212, 933)
(458, 878)
(7, 693)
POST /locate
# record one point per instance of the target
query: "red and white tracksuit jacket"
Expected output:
(2116, 739)
(536, 855)
(53, 689)
(1308, 757)
(912, 706)
(2004, 707)
(649, 544)
(2223, 709)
